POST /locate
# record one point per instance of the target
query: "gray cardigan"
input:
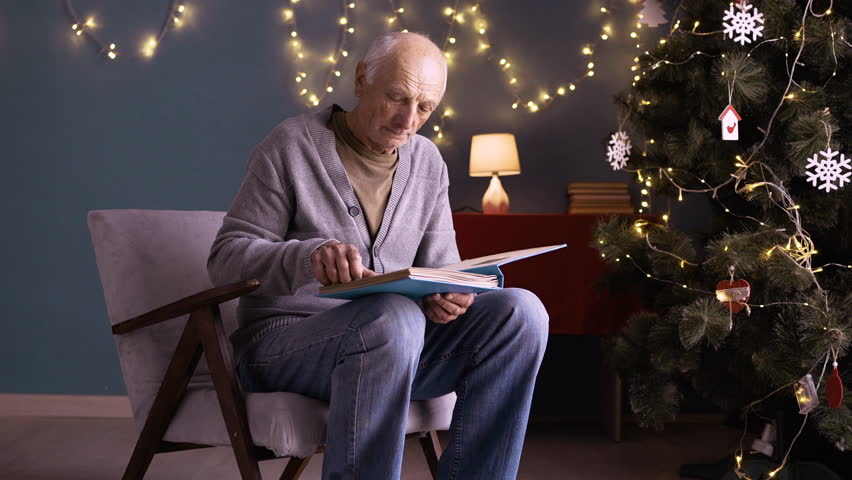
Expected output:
(296, 196)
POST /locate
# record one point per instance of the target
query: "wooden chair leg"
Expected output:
(171, 392)
(228, 391)
(432, 449)
(295, 467)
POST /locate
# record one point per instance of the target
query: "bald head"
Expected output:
(390, 47)
(398, 84)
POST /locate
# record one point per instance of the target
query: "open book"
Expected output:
(470, 276)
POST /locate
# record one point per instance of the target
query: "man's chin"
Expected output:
(394, 142)
(390, 137)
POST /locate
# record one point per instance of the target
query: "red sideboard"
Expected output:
(563, 280)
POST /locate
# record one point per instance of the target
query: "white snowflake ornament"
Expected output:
(743, 23)
(618, 150)
(828, 170)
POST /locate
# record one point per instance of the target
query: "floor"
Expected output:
(33, 448)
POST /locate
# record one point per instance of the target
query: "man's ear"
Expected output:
(360, 79)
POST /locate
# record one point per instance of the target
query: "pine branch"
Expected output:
(705, 318)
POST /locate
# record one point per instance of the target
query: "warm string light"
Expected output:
(799, 247)
(790, 69)
(833, 73)
(459, 16)
(648, 275)
(454, 19)
(644, 184)
(740, 452)
(738, 456)
(797, 37)
(635, 66)
(395, 21)
(820, 268)
(518, 83)
(682, 261)
(676, 29)
(87, 29)
(333, 60)
(639, 229)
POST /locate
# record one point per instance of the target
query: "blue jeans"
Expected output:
(371, 356)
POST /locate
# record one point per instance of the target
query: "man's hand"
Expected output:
(337, 262)
(444, 308)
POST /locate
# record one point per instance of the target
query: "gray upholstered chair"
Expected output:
(165, 315)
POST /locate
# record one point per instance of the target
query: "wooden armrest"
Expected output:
(213, 296)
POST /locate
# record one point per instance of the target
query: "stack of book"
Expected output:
(598, 197)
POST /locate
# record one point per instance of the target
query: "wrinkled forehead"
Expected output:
(420, 73)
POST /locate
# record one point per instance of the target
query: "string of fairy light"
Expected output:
(346, 29)
(799, 247)
(458, 16)
(88, 29)
(473, 17)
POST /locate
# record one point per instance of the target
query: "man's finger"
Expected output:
(331, 270)
(342, 265)
(319, 268)
(436, 305)
(429, 309)
(356, 267)
(319, 273)
(431, 315)
(463, 300)
(448, 317)
(439, 315)
(450, 307)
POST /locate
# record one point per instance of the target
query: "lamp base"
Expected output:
(495, 199)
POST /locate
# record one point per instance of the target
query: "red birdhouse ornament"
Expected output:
(730, 123)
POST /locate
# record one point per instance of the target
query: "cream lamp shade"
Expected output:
(493, 155)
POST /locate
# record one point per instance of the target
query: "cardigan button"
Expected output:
(354, 211)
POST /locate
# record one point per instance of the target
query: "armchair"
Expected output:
(171, 331)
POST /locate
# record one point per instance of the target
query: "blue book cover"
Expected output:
(401, 282)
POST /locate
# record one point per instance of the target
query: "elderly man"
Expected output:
(335, 196)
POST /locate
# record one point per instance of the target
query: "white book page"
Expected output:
(500, 258)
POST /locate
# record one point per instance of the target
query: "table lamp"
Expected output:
(492, 155)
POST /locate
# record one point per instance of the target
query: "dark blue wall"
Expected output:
(79, 132)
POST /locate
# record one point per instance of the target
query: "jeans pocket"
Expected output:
(256, 339)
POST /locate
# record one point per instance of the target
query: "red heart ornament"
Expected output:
(834, 389)
(731, 128)
(733, 294)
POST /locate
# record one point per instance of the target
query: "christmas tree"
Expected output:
(743, 315)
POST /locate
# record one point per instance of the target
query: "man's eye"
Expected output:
(425, 108)
(395, 97)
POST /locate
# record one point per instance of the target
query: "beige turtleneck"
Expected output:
(370, 173)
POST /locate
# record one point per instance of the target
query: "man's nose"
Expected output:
(407, 116)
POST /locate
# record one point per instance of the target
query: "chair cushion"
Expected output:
(286, 423)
